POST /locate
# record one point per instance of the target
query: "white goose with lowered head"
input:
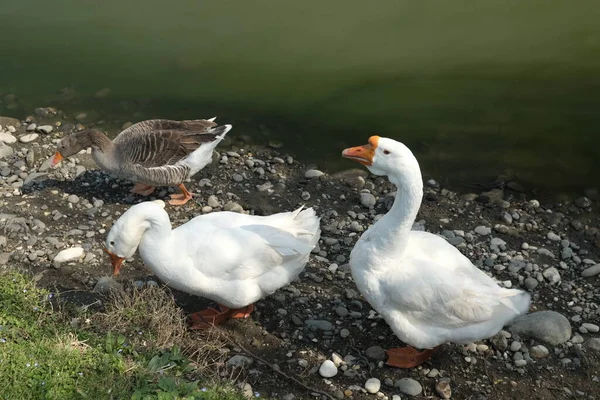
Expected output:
(233, 259)
(428, 292)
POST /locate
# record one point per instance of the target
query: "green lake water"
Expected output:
(474, 88)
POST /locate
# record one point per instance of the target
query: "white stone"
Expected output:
(576, 339)
(30, 137)
(5, 151)
(367, 200)
(552, 275)
(313, 173)
(328, 369)
(373, 385)
(74, 253)
(45, 129)
(553, 236)
(591, 327)
(337, 359)
(539, 351)
(7, 138)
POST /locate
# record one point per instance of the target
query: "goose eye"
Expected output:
(386, 152)
(112, 242)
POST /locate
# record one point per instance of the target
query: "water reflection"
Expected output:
(474, 90)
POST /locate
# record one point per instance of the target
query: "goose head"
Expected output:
(384, 157)
(72, 144)
(126, 234)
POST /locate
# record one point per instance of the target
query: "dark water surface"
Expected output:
(474, 88)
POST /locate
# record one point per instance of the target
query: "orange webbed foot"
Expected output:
(180, 199)
(212, 317)
(144, 190)
(408, 357)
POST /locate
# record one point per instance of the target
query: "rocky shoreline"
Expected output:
(54, 221)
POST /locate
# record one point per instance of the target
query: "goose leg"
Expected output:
(180, 198)
(212, 317)
(408, 357)
(144, 190)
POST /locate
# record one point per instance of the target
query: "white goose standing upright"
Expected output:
(426, 290)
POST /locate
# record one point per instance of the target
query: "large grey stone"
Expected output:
(548, 326)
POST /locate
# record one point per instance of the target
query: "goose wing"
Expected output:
(159, 142)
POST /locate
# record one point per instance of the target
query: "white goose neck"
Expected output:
(156, 237)
(394, 228)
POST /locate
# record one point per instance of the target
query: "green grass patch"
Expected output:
(43, 357)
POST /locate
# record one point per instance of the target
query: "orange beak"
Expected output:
(363, 154)
(56, 159)
(116, 262)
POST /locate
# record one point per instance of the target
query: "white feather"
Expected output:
(234, 259)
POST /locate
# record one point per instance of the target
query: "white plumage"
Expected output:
(428, 292)
(233, 259)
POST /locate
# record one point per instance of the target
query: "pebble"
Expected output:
(213, 201)
(515, 346)
(138, 284)
(240, 361)
(531, 283)
(319, 324)
(539, 351)
(591, 327)
(375, 353)
(583, 202)
(313, 173)
(7, 138)
(499, 342)
(483, 230)
(553, 236)
(548, 326)
(237, 177)
(4, 257)
(73, 199)
(367, 200)
(355, 226)
(409, 386)
(373, 385)
(577, 339)
(67, 255)
(591, 271)
(506, 218)
(344, 333)
(593, 344)
(5, 151)
(45, 129)
(30, 137)
(552, 275)
(337, 359)
(107, 284)
(443, 388)
(341, 311)
(328, 369)
(233, 206)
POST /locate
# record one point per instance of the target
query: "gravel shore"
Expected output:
(53, 222)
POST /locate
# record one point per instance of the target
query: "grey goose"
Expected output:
(151, 153)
